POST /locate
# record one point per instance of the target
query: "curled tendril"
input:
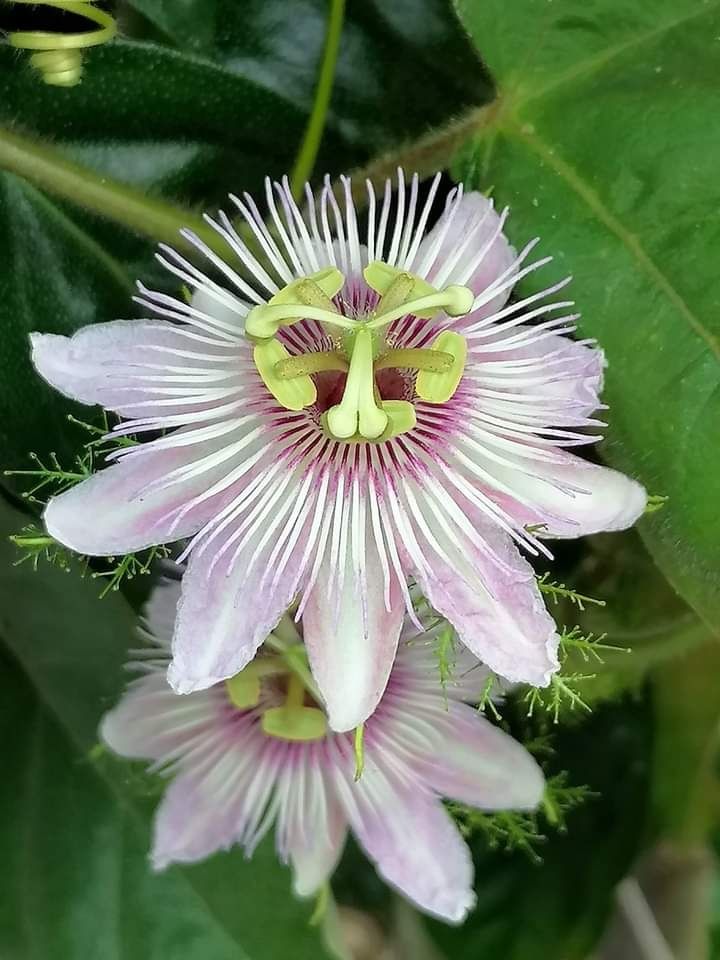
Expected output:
(58, 55)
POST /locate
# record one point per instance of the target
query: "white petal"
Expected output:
(573, 499)
(110, 363)
(351, 638)
(482, 766)
(150, 721)
(416, 847)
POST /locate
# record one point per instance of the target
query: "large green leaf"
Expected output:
(76, 877)
(223, 98)
(603, 141)
(75, 831)
(55, 278)
(558, 909)
(386, 50)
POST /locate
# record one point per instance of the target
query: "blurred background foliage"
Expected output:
(597, 123)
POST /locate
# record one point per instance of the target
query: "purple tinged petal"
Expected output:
(351, 639)
(116, 511)
(493, 602)
(574, 371)
(317, 834)
(416, 848)
(482, 766)
(190, 824)
(226, 611)
(474, 214)
(105, 363)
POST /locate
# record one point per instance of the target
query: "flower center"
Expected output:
(298, 718)
(360, 349)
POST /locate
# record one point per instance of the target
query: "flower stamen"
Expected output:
(306, 299)
(304, 364)
(294, 720)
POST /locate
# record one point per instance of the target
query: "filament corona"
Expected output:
(58, 56)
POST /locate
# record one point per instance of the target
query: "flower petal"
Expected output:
(115, 511)
(574, 371)
(161, 610)
(190, 824)
(150, 721)
(226, 610)
(316, 829)
(473, 215)
(492, 600)
(111, 363)
(573, 498)
(415, 846)
(481, 765)
(351, 638)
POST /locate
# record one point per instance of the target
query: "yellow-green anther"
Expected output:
(293, 720)
(293, 394)
(306, 298)
(313, 291)
(439, 387)
(401, 418)
(307, 363)
(305, 723)
(396, 287)
(243, 690)
(358, 412)
(416, 358)
(454, 300)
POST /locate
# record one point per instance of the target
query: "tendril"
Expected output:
(58, 56)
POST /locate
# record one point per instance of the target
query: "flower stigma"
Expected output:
(361, 349)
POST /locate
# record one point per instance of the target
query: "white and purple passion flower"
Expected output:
(335, 414)
(256, 751)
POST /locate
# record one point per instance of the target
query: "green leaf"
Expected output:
(559, 908)
(602, 141)
(55, 278)
(77, 831)
(76, 877)
(386, 50)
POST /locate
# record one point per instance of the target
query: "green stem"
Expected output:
(316, 124)
(49, 169)
(687, 738)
